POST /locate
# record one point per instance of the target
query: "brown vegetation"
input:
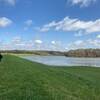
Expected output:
(83, 53)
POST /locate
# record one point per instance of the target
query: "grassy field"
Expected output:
(24, 80)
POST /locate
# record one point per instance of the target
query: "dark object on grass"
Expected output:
(1, 57)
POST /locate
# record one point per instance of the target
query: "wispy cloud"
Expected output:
(9, 2)
(57, 45)
(76, 25)
(47, 27)
(28, 24)
(17, 43)
(4, 22)
(98, 36)
(79, 33)
(82, 3)
(38, 41)
(89, 43)
(17, 40)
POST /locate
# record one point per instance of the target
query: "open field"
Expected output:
(24, 80)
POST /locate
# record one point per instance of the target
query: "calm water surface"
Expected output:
(64, 61)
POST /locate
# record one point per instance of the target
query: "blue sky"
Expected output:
(49, 24)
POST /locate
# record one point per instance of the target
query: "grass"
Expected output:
(24, 80)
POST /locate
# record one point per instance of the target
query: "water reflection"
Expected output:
(64, 61)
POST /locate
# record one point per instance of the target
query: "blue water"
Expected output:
(64, 61)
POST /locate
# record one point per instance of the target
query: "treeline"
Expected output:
(37, 52)
(83, 53)
(16, 51)
(70, 53)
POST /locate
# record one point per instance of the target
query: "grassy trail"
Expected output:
(24, 80)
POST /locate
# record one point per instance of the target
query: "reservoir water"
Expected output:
(64, 61)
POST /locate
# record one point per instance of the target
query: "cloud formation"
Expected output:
(4, 22)
(82, 3)
(89, 43)
(38, 41)
(9, 2)
(17, 43)
(75, 25)
(28, 24)
(98, 36)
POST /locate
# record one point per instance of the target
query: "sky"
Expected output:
(49, 24)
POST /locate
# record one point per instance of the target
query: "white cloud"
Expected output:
(90, 43)
(28, 24)
(53, 42)
(79, 33)
(76, 44)
(95, 43)
(69, 24)
(82, 3)
(79, 42)
(38, 41)
(57, 45)
(98, 36)
(17, 43)
(47, 27)
(4, 22)
(9, 2)
(17, 40)
(38, 44)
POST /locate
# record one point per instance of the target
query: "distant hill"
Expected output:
(70, 53)
(37, 52)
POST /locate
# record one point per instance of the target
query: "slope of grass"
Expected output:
(24, 80)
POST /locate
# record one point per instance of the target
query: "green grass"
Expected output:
(24, 80)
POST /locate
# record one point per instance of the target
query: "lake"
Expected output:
(64, 61)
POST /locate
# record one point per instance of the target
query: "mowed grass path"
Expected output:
(24, 80)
